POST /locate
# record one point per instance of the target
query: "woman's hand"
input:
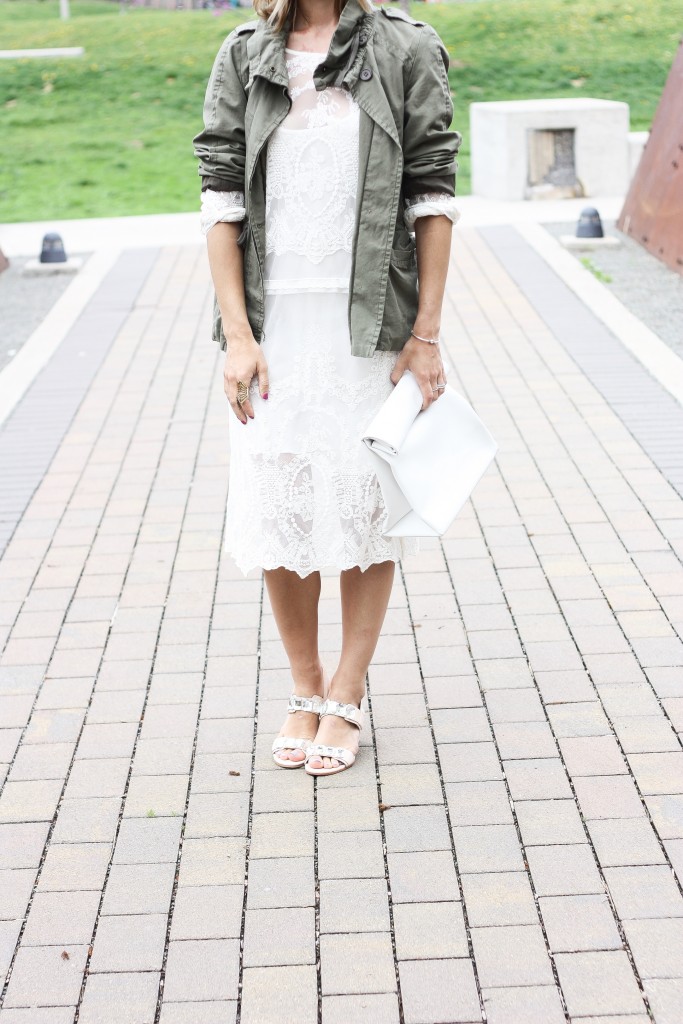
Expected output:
(244, 360)
(424, 361)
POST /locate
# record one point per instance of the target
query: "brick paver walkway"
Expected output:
(508, 846)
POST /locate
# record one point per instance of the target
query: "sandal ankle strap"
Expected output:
(349, 712)
(297, 703)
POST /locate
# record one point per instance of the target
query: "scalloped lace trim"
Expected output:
(430, 204)
(312, 169)
(220, 206)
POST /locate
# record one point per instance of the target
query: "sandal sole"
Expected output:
(328, 771)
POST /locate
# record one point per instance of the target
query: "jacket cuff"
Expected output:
(221, 184)
(428, 183)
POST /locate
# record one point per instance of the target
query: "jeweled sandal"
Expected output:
(296, 703)
(351, 714)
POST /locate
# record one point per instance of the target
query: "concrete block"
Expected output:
(598, 982)
(429, 931)
(511, 955)
(206, 970)
(438, 991)
(358, 906)
(133, 942)
(352, 964)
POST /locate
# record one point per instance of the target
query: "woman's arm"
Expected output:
(221, 150)
(433, 243)
(226, 260)
(244, 358)
(430, 148)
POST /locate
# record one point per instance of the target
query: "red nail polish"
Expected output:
(266, 395)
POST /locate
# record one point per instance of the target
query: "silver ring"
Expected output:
(439, 387)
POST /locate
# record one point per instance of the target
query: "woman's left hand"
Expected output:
(424, 361)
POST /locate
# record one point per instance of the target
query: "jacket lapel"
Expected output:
(346, 56)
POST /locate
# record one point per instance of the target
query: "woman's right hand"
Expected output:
(244, 360)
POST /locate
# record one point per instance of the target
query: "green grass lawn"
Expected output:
(111, 133)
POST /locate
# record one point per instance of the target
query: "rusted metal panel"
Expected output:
(652, 213)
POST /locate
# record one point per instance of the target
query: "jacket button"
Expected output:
(366, 73)
(323, 67)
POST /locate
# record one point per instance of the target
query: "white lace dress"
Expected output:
(302, 491)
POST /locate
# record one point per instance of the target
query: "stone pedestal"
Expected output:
(504, 151)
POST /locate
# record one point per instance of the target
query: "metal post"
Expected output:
(64, 9)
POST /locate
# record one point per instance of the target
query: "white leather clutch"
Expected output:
(427, 463)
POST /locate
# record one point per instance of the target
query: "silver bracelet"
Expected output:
(432, 341)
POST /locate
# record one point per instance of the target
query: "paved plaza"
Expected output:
(508, 846)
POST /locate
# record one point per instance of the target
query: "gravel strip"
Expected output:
(646, 286)
(24, 304)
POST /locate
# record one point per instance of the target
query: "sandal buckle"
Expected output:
(299, 703)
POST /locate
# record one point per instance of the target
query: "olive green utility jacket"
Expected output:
(395, 67)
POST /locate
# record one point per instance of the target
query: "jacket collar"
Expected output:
(341, 55)
(347, 54)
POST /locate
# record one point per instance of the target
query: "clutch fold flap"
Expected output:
(389, 429)
(427, 462)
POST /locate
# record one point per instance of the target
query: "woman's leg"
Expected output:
(364, 597)
(295, 606)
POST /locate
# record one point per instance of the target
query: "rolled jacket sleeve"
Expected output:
(220, 147)
(429, 144)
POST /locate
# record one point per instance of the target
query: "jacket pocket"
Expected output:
(244, 234)
(217, 329)
(253, 280)
(400, 305)
(404, 258)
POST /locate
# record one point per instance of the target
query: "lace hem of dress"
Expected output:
(428, 204)
(294, 511)
(402, 547)
(220, 207)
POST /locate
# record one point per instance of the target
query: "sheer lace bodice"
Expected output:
(311, 185)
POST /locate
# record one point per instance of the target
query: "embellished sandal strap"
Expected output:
(297, 703)
(290, 743)
(349, 712)
(342, 754)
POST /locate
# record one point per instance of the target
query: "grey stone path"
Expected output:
(653, 416)
(509, 845)
(35, 429)
(650, 289)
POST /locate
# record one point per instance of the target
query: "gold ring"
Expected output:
(242, 392)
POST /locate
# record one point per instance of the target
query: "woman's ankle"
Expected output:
(347, 691)
(308, 680)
